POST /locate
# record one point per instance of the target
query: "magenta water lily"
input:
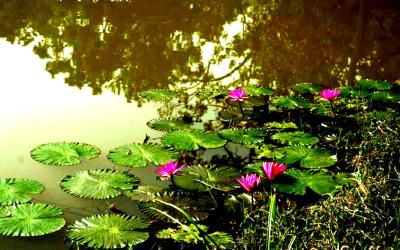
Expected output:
(165, 171)
(238, 95)
(249, 181)
(329, 94)
(272, 169)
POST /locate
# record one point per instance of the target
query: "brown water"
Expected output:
(82, 62)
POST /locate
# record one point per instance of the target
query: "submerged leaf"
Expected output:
(98, 183)
(18, 190)
(108, 231)
(64, 153)
(243, 135)
(297, 137)
(192, 140)
(168, 124)
(31, 220)
(139, 155)
(158, 94)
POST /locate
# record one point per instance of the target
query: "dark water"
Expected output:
(71, 70)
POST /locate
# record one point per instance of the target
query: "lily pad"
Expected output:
(108, 231)
(18, 190)
(98, 183)
(308, 157)
(192, 140)
(374, 85)
(304, 88)
(168, 124)
(158, 94)
(290, 102)
(259, 91)
(295, 138)
(64, 153)
(203, 178)
(31, 220)
(242, 135)
(296, 182)
(144, 193)
(384, 96)
(281, 125)
(140, 154)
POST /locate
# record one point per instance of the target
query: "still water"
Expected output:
(71, 71)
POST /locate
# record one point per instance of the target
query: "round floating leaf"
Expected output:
(254, 168)
(243, 136)
(281, 125)
(18, 190)
(192, 140)
(197, 206)
(312, 88)
(144, 193)
(98, 183)
(353, 92)
(168, 124)
(158, 94)
(269, 151)
(203, 178)
(385, 96)
(296, 182)
(290, 102)
(31, 220)
(309, 158)
(108, 231)
(375, 85)
(294, 138)
(259, 91)
(139, 155)
(64, 153)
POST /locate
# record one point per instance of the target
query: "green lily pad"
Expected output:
(353, 92)
(98, 183)
(299, 181)
(192, 140)
(144, 193)
(168, 124)
(290, 102)
(203, 178)
(259, 91)
(243, 135)
(108, 231)
(158, 94)
(374, 85)
(64, 153)
(308, 157)
(31, 220)
(281, 125)
(18, 190)
(384, 96)
(139, 155)
(295, 138)
(312, 88)
(254, 168)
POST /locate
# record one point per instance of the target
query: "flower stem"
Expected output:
(333, 108)
(241, 109)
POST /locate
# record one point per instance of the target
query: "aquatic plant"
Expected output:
(272, 169)
(249, 181)
(165, 171)
(329, 94)
(238, 95)
(18, 190)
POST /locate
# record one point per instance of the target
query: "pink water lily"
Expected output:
(238, 95)
(329, 94)
(272, 169)
(249, 181)
(165, 171)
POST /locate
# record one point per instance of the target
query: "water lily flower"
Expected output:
(329, 94)
(238, 95)
(249, 181)
(167, 170)
(272, 169)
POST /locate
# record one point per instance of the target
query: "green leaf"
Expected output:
(196, 206)
(290, 102)
(281, 125)
(243, 135)
(259, 91)
(192, 140)
(98, 183)
(203, 178)
(18, 190)
(168, 124)
(353, 92)
(295, 138)
(144, 193)
(374, 85)
(31, 220)
(309, 158)
(158, 94)
(139, 155)
(64, 153)
(304, 88)
(108, 231)
(296, 182)
(269, 151)
(385, 96)
(254, 168)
